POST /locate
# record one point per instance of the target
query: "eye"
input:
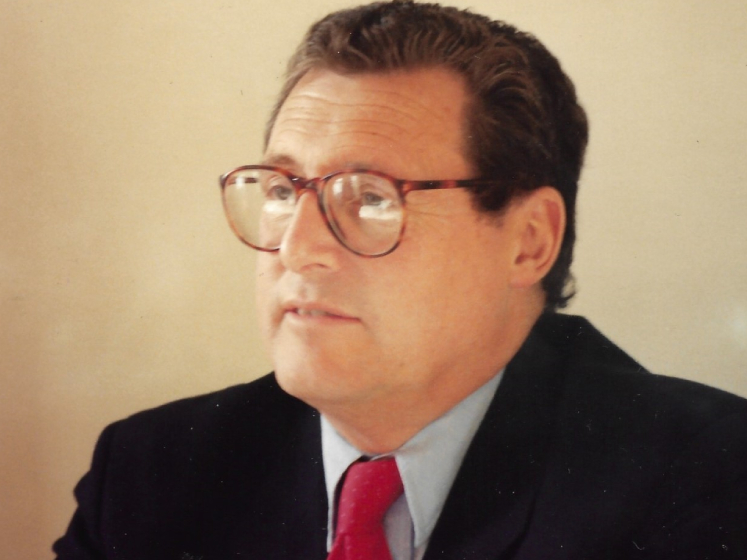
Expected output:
(280, 192)
(359, 196)
(373, 199)
(377, 204)
(278, 189)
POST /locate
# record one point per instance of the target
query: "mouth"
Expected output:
(308, 311)
(313, 312)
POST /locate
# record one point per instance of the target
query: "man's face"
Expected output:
(420, 327)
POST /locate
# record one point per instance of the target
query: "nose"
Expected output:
(308, 245)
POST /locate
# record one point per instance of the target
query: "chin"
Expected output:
(317, 387)
(302, 382)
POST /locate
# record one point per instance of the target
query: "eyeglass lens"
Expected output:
(364, 211)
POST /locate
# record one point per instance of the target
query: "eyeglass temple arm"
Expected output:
(409, 186)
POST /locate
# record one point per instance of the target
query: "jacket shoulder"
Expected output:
(253, 414)
(647, 459)
(600, 373)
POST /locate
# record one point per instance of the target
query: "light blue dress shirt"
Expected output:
(428, 464)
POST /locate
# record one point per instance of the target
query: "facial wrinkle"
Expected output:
(298, 102)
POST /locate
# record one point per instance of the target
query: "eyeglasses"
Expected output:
(364, 210)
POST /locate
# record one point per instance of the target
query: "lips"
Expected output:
(312, 313)
(314, 310)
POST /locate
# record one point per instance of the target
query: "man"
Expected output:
(415, 216)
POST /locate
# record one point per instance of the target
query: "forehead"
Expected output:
(397, 122)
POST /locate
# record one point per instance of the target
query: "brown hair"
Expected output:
(524, 126)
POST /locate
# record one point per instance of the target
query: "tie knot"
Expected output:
(368, 491)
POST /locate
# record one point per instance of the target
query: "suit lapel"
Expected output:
(278, 495)
(490, 503)
(308, 535)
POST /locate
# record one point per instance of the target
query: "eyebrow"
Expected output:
(281, 160)
(290, 163)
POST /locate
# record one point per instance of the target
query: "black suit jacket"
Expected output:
(582, 454)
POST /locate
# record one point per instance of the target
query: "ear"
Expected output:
(540, 225)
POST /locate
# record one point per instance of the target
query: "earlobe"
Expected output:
(539, 231)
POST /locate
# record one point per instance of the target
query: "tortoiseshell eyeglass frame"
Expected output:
(318, 184)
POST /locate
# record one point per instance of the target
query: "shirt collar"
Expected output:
(428, 462)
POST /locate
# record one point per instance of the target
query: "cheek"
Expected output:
(411, 305)
(457, 292)
(265, 295)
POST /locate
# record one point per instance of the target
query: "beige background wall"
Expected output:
(121, 286)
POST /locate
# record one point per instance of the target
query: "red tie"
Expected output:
(370, 488)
